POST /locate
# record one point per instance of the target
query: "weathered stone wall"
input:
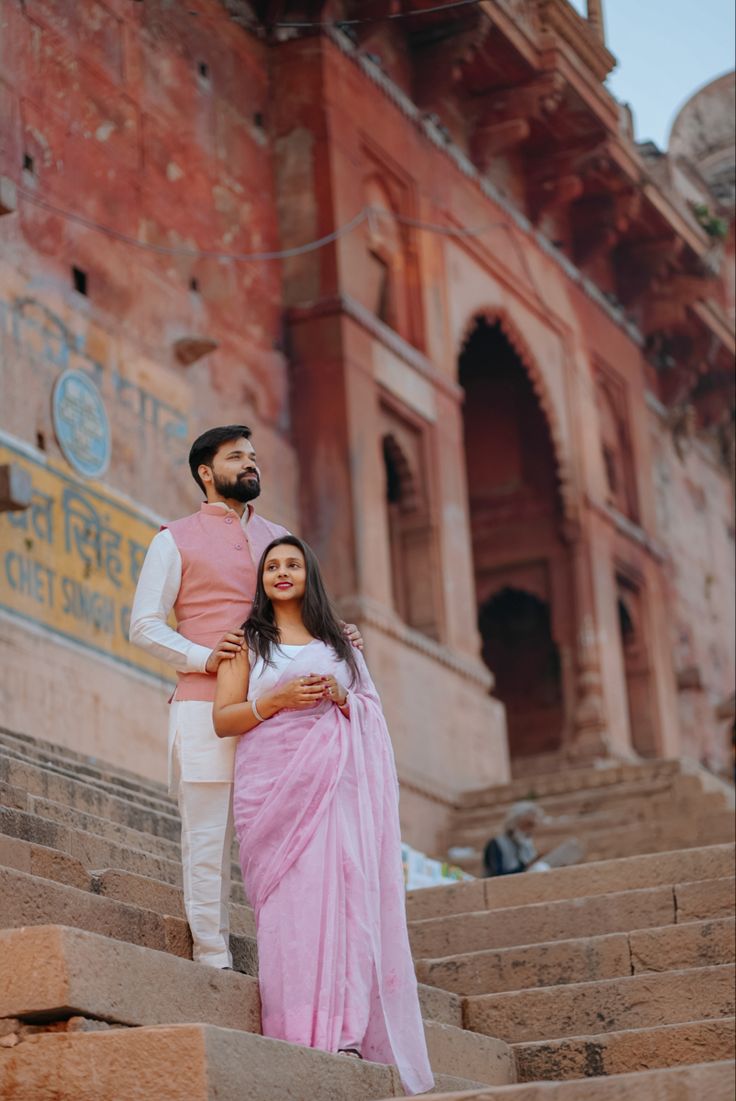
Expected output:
(174, 126)
(147, 120)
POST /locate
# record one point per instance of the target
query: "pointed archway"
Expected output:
(517, 495)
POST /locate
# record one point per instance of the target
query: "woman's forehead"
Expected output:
(284, 550)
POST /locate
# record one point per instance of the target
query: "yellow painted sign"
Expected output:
(71, 560)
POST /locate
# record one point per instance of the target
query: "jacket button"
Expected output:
(228, 519)
(238, 546)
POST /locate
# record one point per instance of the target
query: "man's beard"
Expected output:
(245, 488)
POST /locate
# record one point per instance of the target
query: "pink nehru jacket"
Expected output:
(218, 580)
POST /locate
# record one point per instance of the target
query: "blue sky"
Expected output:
(666, 49)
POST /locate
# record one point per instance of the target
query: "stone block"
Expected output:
(628, 1051)
(103, 800)
(440, 1005)
(457, 1052)
(539, 922)
(709, 899)
(584, 960)
(711, 1081)
(28, 900)
(51, 972)
(185, 1062)
(582, 880)
(103, 827)
(605, 877)
(164, 898)
(612, 1005)
(695, 944)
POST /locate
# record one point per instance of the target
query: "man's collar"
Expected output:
(219, 508)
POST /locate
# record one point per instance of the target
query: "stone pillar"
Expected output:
(590, 736)
(595, 18)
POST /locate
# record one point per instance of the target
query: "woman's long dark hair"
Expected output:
(261, 632)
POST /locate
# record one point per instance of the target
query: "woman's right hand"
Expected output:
(302, 692)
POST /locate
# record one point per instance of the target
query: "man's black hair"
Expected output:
(206, 446)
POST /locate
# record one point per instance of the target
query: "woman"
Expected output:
(316, 812)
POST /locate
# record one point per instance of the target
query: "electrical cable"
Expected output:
(389, 17)
(367, 213)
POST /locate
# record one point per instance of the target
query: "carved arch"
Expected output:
(563, 464)
(393, 452)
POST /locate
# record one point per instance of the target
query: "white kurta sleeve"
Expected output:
(155, 595)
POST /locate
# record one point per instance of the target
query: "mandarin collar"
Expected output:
(223, 510)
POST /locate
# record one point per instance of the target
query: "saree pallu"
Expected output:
(316, 812)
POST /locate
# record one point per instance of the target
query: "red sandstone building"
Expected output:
(497, 398)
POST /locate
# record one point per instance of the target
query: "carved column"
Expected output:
(590, 736)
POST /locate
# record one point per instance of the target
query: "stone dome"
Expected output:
(703, 136)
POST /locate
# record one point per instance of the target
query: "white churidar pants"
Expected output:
(200, 775)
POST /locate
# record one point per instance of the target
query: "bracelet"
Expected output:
(256, 712)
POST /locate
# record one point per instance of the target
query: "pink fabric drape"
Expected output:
(316, 812)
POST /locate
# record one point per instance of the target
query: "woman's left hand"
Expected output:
(334, 691)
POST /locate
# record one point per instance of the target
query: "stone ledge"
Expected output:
(707, 1081)
(612, 1005)
(626, 1051)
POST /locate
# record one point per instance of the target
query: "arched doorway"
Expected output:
(518, 646)
(521, 561)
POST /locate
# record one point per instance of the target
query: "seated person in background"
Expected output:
(513, 850)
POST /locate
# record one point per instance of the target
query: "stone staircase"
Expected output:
(606, 981)
(616, 810)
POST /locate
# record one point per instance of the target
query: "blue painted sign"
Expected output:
(80, 423)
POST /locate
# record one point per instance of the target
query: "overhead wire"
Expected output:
(389, 17)
(366, 213)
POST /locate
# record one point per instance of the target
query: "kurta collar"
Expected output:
(221, 510)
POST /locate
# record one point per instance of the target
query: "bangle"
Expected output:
(256, 712)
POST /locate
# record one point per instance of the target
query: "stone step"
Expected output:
(91, 850)
(163, 898)
(604, 831)
(50, 972)
(536, 923)
(40, 749)
(569, 780)
(141, 843)
(637, 841)
(136, 890)
(52, 784)
(96, 977)
(610, 1005)
(187, 1062)
(703, 1082)
(623, 1052)
(587, 959)
(636, 795)
(29, 900)
(590, 823)
(103, 827)
(129, 792)
(582, 880)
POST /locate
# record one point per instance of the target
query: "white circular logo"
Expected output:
(80, 423)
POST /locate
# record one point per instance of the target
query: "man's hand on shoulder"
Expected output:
(353, 635)
(228, 646)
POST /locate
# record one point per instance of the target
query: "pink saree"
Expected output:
(316, 813)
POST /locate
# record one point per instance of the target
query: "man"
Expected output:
(204, 568)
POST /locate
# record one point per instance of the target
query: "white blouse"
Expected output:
(263, 677)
